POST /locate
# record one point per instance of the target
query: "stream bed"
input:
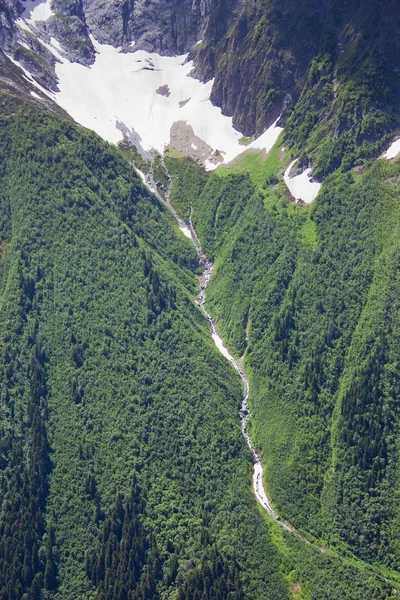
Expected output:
(207, 267)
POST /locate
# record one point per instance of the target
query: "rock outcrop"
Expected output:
(160, 26)
(9, 10)
(332, 65)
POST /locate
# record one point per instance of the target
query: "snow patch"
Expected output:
(144, 93)
(186, 231)
(267, 140)
(301, 187)
(34, 12)
(24, 45)
(220, 345)
(54, 48)
(210, 166)
(121, 88)
(35, 95)
(259, 491)
(37, 10)
(56, 43)
(393, 150)
(141, 175)
(24, 25)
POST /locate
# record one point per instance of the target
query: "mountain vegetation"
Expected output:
(124, 474)
(329, 67)
(309, 297)
(119, 434)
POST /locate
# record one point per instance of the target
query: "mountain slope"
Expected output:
(309, 296)
(109, 375)
(331, 69)
(124, 473)
(337, 94)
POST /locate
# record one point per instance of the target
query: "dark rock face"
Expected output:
(260, 53)
(71, 32)
(168, 27)
(259, 64)
(109, 22)
(165, 26)
(8, 13)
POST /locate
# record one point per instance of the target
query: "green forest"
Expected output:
(124, 473)
(309, 297)
(126, 468)
(136, 462)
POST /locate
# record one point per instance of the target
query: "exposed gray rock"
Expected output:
(178, 25)
(14, 81)
(110, 22)
(132, 137)
(168, 27)
(163, 26)
(73, 8)
(8, 13)
(187, 143)
(71, 32)
(39, 61)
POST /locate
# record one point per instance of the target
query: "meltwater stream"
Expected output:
(258, 486)
(189, 231)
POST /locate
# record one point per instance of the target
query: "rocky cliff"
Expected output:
(167, 28)
(330, 69)
(325, 66)
(158, 26)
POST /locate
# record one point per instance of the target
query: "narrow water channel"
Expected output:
(189, 231)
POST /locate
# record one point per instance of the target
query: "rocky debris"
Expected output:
(185, 142)
(164, 90)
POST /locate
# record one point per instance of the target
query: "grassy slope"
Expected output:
(305, 294)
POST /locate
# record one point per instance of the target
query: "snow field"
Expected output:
(35, 11)
(124, 88)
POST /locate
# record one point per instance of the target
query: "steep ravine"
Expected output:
(190, 232)
(258, 485)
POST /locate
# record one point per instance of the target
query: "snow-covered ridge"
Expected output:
(141, 95)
